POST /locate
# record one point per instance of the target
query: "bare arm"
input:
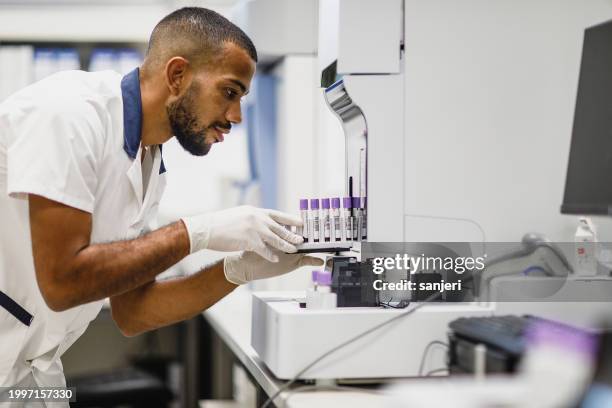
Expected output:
(72, 272)
(158, 304)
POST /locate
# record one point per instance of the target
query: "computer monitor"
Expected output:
(588, 185)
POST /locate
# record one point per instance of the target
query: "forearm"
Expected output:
(158, 304)
(103, 270)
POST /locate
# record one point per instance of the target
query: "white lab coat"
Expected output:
(73, 138)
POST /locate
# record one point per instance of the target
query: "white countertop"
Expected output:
(231, 319)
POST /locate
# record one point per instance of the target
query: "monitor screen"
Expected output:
(588, 185)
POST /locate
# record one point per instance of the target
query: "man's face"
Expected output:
(211, 104)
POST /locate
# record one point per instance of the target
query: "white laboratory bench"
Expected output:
(231, 320)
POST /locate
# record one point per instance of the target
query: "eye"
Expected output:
(231, 94)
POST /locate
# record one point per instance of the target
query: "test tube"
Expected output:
(364, 218)
(315, 278)
(357, 219)
(347, 218)
(336, 224)
(321, 295)
(304, 230)
(325, 219)
(315, 220)
(324, 281)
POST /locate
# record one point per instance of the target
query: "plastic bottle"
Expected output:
(585, 242)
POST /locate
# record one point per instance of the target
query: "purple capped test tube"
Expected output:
(315, 278)
(304, 230)
(336, 221)
(322, 296)
(315, 220)
(357, 216)
(325, 220)
(324, 279)
(347, 218)
(364, 218)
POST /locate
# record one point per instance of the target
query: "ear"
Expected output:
(177, 75)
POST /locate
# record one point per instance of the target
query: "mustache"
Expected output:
(227, 126)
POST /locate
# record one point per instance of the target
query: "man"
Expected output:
(81, 174)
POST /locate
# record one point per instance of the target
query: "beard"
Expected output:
(184, 123)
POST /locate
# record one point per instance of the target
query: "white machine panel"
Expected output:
(490, 89)
(369, 45)
(467, 140)
(287, 338)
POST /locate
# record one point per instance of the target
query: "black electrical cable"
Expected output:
(344, 344)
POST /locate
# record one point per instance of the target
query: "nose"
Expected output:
(234, 113)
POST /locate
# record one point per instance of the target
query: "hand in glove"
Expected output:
(243, 228)
(249, 266)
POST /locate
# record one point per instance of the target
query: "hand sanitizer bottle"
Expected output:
(585, 247)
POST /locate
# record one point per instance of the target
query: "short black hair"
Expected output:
(196, 33)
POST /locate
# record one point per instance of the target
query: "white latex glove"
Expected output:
(248, 266)
(243, 228)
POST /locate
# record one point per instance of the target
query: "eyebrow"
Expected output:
(240, 85)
